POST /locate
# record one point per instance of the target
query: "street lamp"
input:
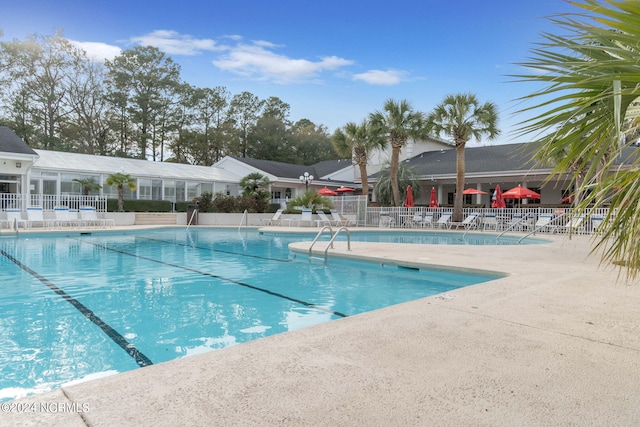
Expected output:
(306, 178)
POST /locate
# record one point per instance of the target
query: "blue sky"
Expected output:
(332, 61)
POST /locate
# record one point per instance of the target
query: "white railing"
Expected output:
(48, 202)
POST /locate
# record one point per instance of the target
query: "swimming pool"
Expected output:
(80, 306)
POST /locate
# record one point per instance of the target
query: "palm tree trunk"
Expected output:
(393, 172)
(365, 181)
(460, 172)
(120, 198)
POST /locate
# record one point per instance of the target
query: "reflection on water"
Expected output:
(171, 294)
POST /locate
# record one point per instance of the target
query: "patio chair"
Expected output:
(597, 224)
(490, 222)
(274, 220)
(35, 215)
(306, 216)
(339, 220)
(469, 222)
(65, 217)
(544, 223)
(385, 220)
(574, 225)
(89, 217)
(14, 219)
(324, 219)
(444, 219)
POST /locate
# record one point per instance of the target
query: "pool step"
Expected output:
(155, 218)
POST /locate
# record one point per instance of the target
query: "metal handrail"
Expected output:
(243, 219)
(334, 237)
(542, 226)
(318, 236)
(524, 218)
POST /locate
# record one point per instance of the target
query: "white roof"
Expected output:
(60, 161)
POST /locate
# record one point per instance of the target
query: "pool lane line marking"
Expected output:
(137, 355)
(215, 276)
(212, 250)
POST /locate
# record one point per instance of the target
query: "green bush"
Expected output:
(140, 205)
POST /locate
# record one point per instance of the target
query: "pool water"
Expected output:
(80, 306)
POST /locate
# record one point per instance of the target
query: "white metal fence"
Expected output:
(48, 202)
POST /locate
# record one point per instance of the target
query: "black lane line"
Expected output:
(235, 282)
(137, 355)
(213, 250)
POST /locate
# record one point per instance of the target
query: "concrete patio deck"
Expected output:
(556, 342)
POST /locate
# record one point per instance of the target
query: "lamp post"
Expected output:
(306, 178)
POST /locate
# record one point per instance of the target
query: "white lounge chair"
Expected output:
(489, 221)
(14, 219)
(386, 220)
(324, 219)
(306, 216)
(339, 220)
(469, 222)
(574, 225)
(544, 223)
(89, 217)
(275, 219)
(35, 215)
(65, 217)
(444, 219)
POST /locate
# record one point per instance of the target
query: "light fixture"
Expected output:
(18, 165)
(306, 178)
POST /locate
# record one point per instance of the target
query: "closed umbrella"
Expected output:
(498, 200)
(409, 200)
(433, 202)
(326, 192)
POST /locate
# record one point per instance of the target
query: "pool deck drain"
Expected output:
(556, 342)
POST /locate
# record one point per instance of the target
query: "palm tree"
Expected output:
(358, 141)
(398, 122)
(588, 103)
(383, 188)
(120, 180)
(88, 185)
(462, 117)
(253, 182)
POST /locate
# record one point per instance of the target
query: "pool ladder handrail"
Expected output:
(535, 230)
(333, 237)
(522, 221)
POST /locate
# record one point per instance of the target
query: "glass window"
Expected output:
(144, 189)
(169, 190)
(206, 186)
(193, 190)
(181, 195)
(156, 189)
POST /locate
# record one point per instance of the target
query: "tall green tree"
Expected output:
(399, 122)
(589, 78)
(143, 80)
(245, 110)
(383, 188)
(462, 117)
(358, 141)
(121, 180)
(309, 143)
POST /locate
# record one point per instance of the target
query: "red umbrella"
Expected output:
(520, 193)
(473, 191)
(498, 200)
(326, 192)
(409, 201)
(345, 190)
(433, 203)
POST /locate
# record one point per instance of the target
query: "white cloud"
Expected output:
(174, 43)
(257, 60)
(382, 78)
(96, 51)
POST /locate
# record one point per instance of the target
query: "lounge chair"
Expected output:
(469, 222)
(35, 215)
(597, 224)
(421, 220)
(324, 219)
(544, 223)
(339, 220)
(89, 217)
(444, 219)
(490, 222)
(574, 225)
(275, 219)
(14, 219)
(386, 220)
(306, 216)
(65, 217)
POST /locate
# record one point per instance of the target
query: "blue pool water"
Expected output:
(76, 307)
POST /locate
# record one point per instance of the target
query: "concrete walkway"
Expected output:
(556, 342)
